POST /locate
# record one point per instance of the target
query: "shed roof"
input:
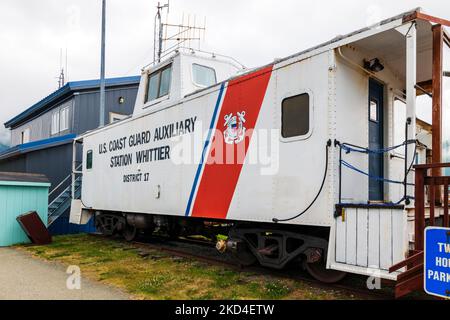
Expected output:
(69, 89)
(22, 177)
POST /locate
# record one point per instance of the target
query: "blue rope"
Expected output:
(353, 148)
(349, 148)
(405, 198)
(348, 165)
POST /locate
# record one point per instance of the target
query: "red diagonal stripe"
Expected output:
(219, 181)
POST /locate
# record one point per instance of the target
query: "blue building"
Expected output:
(42, 137)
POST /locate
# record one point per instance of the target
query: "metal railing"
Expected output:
(63, 182)
(62, 202)
(67, 189)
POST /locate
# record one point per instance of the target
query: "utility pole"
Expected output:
(102, 68)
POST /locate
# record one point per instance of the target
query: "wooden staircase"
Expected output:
(412, 278)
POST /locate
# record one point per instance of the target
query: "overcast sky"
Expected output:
(252, 31)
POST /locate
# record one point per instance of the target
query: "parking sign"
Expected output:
(437, 262)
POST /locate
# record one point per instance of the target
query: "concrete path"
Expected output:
(23, 277)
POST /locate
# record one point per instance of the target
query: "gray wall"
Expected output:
(53, 162)
(40, 127)
(84, 114)
(87, 107)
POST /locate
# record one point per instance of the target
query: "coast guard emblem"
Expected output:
(235, 131)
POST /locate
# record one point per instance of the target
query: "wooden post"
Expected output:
(419, 208)
(446, 218)
(433, 190)
(411, 95)
(438, 53)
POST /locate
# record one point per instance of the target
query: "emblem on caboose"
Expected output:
(235, 131)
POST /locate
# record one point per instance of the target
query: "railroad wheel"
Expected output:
(243, 255)
(245, 258)
(104, 225)
(319, 271)
(129, 233)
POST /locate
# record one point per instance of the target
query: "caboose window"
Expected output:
(295, 116)
(203, 76)
(89, 158)
(158, 84)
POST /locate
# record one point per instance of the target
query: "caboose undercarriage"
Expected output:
(249, 243)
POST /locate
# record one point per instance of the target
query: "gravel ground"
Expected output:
(25, 278)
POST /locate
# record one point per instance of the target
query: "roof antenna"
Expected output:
(159, 27)
(61, 77)
(67, 68)
(177, 34)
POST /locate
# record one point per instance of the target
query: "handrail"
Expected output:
(56, 213)
(432, 165)
(62, 182)
(68, 187)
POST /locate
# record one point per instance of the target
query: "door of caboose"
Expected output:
(376, 168)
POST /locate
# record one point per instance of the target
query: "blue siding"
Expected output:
(62, 226)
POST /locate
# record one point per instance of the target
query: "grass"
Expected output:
(161, 276)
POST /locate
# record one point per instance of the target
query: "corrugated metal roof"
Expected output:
(65, 91)
(36, 145)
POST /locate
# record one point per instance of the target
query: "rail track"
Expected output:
(205, 252)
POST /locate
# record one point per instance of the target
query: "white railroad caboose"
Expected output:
(304, 157)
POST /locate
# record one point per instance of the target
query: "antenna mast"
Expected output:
(159, 27)
(61, 77)
(180, 33)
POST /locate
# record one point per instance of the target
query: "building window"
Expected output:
(60, 120)
(55, 122)
(114, 117)
(64, 119)
(203, 76)
(295, 116)
(158, 84)
(25, 138)
(89, 159)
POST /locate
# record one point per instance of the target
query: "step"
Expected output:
(52, 208)
(58, 201)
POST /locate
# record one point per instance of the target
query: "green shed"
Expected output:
(19, 194)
